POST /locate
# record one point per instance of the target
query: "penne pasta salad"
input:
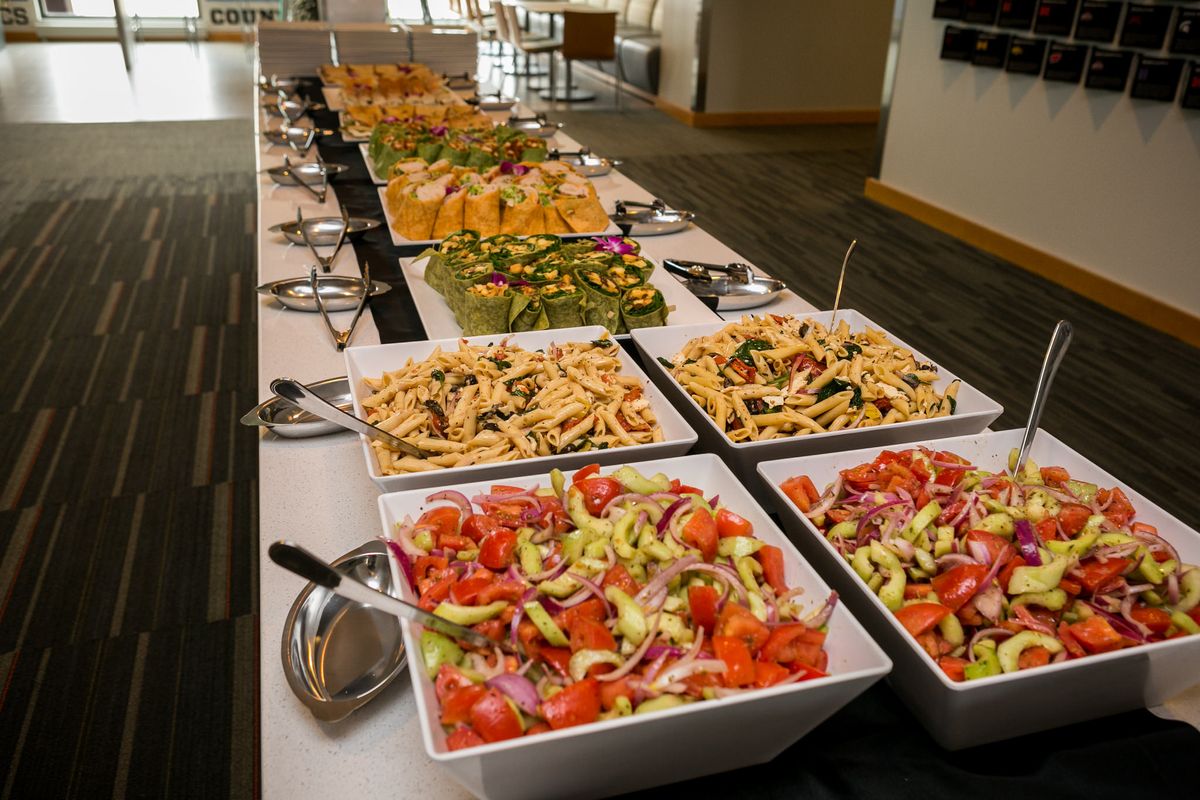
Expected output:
(775, 377)
(484, 404)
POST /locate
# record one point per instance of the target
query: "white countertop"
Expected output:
(316, 492)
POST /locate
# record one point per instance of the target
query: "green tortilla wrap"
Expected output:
(602, 298)
(643, 307)
(563, 302)
(533, 316)
(487, 308)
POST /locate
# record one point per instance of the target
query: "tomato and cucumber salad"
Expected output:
(624, 594)
(996, 572)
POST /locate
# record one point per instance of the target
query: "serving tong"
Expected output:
(657, 205)
(341, 338)
(588, 162)
(699, 271)
(306, 399)
(739, 288)
(324, 172)
(326, 263)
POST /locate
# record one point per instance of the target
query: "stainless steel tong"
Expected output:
(699, 271)
(554, 154)
(319, 194)
(326, 263)
(341, 338)
(622, 206)
(306, 399)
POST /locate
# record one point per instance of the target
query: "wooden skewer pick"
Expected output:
(837, 298)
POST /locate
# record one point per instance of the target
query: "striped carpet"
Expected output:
(128, 574)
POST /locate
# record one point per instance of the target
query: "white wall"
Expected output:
(786, 55)
(677, 61)
(1103, 181)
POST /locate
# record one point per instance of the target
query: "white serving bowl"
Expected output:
(965, 714)
(975, 410)
(637, 752)
(374, 360)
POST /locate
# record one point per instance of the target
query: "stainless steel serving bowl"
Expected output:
(323, 231)
(307, 171)
(733, 295)
(338, 292)
(653, 221)
(337, 654)
(285, 419)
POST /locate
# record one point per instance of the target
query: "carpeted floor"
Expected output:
(128, 574)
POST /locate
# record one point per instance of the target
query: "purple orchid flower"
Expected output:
(614, 244)
(439, 130)
(509, 168)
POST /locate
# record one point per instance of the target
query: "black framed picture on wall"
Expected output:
(1156, 78)
(1098, 21)
(947, 9)
(1185, 34)
(1016, 14)
(1065, 62)
(980, 11)
(1025, 56)
(958, 44)
(1055, 17)
(1108, 69)
(991, 49)
(1146, 25)
(1191, 87)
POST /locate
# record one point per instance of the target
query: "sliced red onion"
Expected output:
(951, 560)
(663, 578)
(821, 507)
(1027, 541)
(516, 497)
(862, 523)
(406, 566)
(671, 511)
(1156, 539)
(824, 613)
(733, 582)
(1116, 551)
(1030, 621)
(1127, 615)
(589, 587)
(979, 552)
(902, 547)
(1172, 589)
(661, 649)
(990, 602)
(552, 573)
(716, 501)
(682, 670)
(458, 498)
(520, 612)
(636, 657)
(551, 605)
(404, 539)
(655, 665)
(985, 633)
(950, 465)
(519, 689)
(1119, 624)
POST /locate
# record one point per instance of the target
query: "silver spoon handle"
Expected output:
(296, 559)
(1054, 356)
(306, 400)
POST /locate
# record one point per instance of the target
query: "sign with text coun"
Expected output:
(218, 14)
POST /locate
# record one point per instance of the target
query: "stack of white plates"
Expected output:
(293, 48)
(371, 43)
(446, 48)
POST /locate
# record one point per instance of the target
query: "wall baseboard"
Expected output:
(20, 36)
(732, 119)
(1105, 291)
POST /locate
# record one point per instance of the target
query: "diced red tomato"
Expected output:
(1092, 573)
(702, 602)
(683, 488)
(494, 719)
(1006, 573)
(1155, 619)
(701, 532)
(1195, 615)
(496, 549)
(1119, 510)
(448, 679)
(461, 738)
(423, 564)
(745, 371)
(583, 473)
(597, 492)
(800, 490)
(1070, 586)
(1055, 476)
(456, 707)
(1047, 529)
(557, 657)
(443, 519)
(1074, 649)
(995, 545)
(1143, 527)
(576, 704)
(730, 524)
(793, 642)
(477, 526)
(953, 667)
(1033, 657)
(494, 629)
(699, 681)
(536, 728)
(915, 591)
(771, 559)
(592, 608)
(587, 634)
(611, 690)
(1096, 634)
(452, 541)
(737, 622)
(969, 614)
(1072, 517)
(466, 592)
(619, 577)
(500, 590)
(739, 664)
(958, 585)
(768, 673)
(921, 617)
(437, 591)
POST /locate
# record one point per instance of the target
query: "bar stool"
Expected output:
(509, 27)
(587, 36)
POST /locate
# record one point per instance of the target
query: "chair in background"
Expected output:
(587, 36)
(509, 28)
(485, 24)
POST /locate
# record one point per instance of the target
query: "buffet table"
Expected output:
(317, 493)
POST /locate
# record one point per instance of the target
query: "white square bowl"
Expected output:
(374, 360)
(965, 714)
(638, 752)
(974, 412)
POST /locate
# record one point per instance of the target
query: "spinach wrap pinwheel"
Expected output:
(464, 278)
(448, 254)
(563, 302)
(489, 306)
(531, 317)
(602, 298)
(643, 307)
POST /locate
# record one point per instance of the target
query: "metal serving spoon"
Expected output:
(307, 400)
(1054, 356)
(296, 559)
